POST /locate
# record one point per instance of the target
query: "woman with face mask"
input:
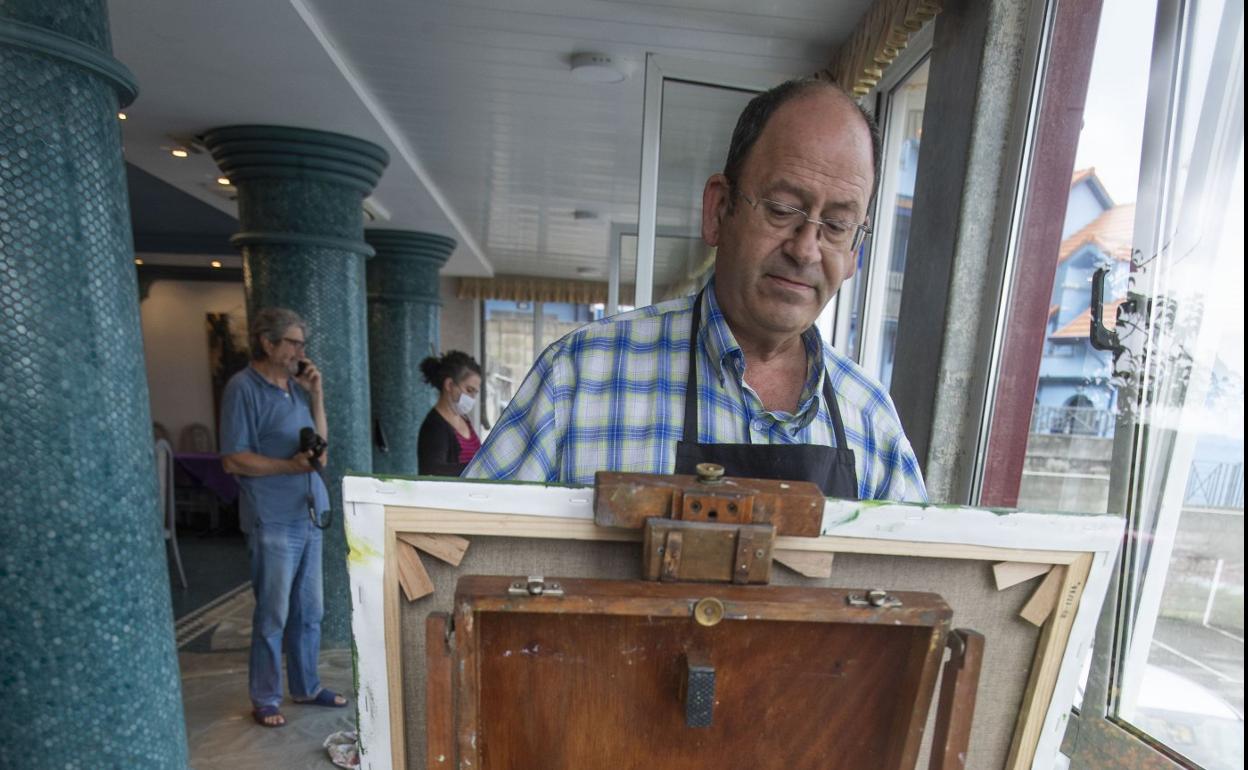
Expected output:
(447, 439)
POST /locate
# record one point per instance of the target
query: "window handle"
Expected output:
(1102, 337)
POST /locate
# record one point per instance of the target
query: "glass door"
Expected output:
(691, 108)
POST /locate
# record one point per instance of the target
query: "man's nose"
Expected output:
(803, 244)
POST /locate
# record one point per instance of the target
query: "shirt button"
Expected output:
(760, 424)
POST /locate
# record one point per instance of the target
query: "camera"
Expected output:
(310, 441)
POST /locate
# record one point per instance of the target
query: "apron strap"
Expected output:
(691, 382)
(691, 386)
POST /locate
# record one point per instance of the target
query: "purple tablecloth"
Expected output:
(206, 470)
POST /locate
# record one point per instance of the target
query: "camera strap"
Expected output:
(329, 515)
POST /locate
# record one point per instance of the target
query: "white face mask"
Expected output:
(464, 404)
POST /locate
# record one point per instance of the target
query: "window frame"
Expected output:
(871, 281)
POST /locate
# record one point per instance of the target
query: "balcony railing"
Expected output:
(1215, 485)
(1073, 420)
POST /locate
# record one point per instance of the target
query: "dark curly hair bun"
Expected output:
(455, 364)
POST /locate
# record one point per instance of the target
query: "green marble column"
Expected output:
(300, 208)
(403, 310)
(88, 665)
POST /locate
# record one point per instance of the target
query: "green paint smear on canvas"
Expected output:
(360, 552)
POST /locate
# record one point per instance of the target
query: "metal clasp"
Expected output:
(535, 586)
(877, 598)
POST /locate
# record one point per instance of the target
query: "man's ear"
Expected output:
(716, 197)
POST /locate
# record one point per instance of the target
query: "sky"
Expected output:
(1111, 142)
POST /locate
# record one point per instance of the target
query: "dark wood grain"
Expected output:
(593, 679)
(439, 706)
(703, 552)
(626, 500)
(959, 685)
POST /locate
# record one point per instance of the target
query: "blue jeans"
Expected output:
(286, 580)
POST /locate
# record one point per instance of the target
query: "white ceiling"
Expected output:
(492, 141)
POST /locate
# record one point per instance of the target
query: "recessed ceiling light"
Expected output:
(178, 152)
(215, 263)
(223, 180)
(121, 116)
(138, 260)
(596, 68)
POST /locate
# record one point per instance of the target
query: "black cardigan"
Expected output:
(437, 448)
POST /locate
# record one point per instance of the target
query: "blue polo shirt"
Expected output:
(257, 416)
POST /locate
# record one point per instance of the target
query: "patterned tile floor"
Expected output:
(213, 631)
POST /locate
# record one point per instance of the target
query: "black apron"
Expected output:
(831, 468)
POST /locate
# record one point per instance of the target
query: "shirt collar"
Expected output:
(259, 379)
(721, 347)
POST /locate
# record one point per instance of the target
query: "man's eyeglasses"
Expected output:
(832, 235)
(294, 343)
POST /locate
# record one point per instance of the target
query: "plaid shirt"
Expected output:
(610, 396)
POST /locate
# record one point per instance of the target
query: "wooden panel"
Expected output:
(789, 693)
(441, 520)
(957, 570)
(1047, 664)
(448, 548)
(806, 563)
(627, 499)
(412, 575)
(958, 689)
(1011, 573)
(439, 706)
(1044, 598)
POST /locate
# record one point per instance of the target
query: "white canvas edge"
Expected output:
(871, 519)
(365, 499)
(365, 525)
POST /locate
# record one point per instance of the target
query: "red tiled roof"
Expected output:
(1080, 327)
(1110, 232)
(1082, 174)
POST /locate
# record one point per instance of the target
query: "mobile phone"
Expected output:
(303, 367)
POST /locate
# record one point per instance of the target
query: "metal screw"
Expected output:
(758, 554)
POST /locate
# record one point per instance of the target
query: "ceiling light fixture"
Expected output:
(178, 152)
(597, 68)
(138, 260)
(222, 180)
(215, 263)
(121, 116)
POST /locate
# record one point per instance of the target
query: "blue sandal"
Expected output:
(261, 713)
(324, 698)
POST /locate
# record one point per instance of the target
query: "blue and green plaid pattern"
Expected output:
(610, 396)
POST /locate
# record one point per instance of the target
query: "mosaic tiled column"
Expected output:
(300, 209)
(88, 665)
(403, 310)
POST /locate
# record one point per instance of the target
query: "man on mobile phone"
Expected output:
(264, 409)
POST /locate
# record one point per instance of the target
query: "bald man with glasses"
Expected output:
(738, 374)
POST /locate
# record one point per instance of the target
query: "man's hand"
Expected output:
(300, 462)
(310, 380)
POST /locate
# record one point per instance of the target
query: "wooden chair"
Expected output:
(160, 432)
(168, 506)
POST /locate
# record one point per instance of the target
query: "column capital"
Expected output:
(282, 152)
(71, 50)
(406, 264)
(432, 249)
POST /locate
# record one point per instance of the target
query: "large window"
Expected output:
(515, 334)
(1149, 421)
